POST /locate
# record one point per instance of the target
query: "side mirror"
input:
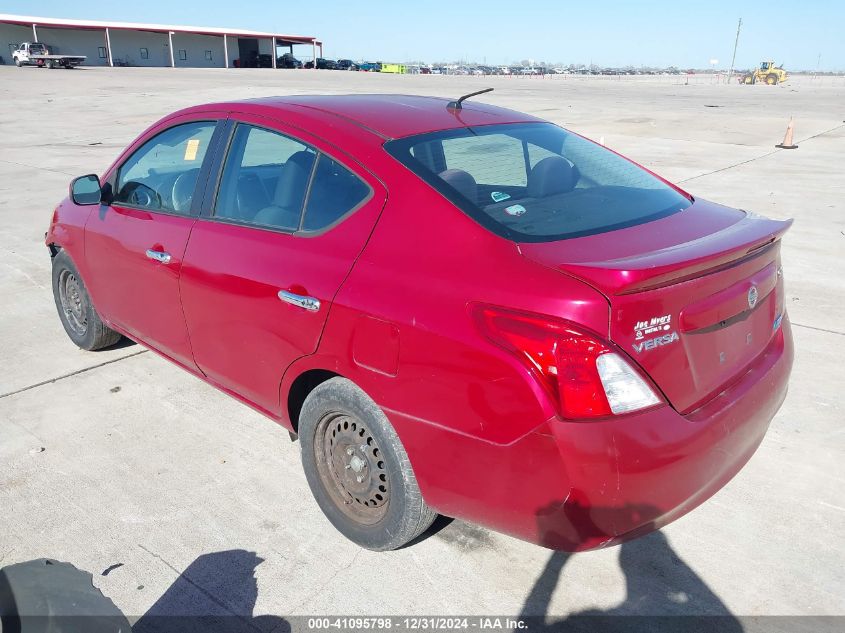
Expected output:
(86, 190)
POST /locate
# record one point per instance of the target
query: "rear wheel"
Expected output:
(771, 79)
(358, 470)
(79, 318)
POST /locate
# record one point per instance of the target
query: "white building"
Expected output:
(135, 44)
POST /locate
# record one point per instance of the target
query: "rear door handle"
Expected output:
(159, 256)
(311, 304)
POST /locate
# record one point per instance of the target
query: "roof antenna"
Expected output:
(456, 105)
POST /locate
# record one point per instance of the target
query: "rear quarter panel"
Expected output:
(400, 327)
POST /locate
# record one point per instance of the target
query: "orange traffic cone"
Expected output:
(787, 138)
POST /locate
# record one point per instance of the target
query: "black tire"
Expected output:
(76, 312)
(374, 501)
(18, 63)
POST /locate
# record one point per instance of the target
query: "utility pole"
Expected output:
(736, 43)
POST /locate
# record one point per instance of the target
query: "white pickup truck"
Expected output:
(37, 54)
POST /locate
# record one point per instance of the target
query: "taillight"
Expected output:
(581, 373)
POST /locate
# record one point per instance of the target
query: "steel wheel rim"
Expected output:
(352, 468)
(74, 304)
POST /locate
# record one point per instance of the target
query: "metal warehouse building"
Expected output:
(134, 44)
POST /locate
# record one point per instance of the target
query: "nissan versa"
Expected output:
(457, 308)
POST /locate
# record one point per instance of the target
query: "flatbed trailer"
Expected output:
(38, 54)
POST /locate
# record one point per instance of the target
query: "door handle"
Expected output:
(311, 304)
(159, 256)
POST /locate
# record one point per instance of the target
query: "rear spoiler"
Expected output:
(745, 239)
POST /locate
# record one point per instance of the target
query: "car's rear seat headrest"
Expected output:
(462, 182)
(551, 176)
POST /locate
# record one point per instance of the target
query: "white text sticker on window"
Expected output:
(191, 149)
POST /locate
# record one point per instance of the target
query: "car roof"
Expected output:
(386, 115)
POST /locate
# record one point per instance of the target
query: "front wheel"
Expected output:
(18, 63)
(79, 318)
(358, 470)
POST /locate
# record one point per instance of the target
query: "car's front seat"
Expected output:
(183, 190)
(286, 208)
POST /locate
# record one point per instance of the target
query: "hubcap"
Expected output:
(351, 467)
(74, 303)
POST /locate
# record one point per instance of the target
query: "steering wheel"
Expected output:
(141, 195)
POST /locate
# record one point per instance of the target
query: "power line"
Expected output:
(736, 43)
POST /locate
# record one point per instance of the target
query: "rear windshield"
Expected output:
(537, 182)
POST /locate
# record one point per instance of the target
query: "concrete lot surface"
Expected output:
(118, 457)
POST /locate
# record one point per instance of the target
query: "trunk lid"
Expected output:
(694, 297)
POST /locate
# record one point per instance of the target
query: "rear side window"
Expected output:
(537, 182)
(162, 174)
(265, 179)
(269, 179)
(335, 192)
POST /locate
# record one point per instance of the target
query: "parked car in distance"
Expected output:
(346, 64)
(288, 61)
(322, 64)
(369, 67)
(484, 316)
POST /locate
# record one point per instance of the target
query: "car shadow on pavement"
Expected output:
(216, 594)
(662, 592)
(122, 343)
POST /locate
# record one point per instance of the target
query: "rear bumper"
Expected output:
(582, 485)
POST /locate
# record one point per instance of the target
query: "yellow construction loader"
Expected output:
(767, 73)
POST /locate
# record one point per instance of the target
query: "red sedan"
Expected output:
(456, 308)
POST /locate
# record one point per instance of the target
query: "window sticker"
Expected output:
(498, 196)
(192, 148)
(515, 209)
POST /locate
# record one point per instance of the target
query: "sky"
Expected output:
(687, 34)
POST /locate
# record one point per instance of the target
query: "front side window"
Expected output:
(162, 174)
(265, 179)
(537, 182)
